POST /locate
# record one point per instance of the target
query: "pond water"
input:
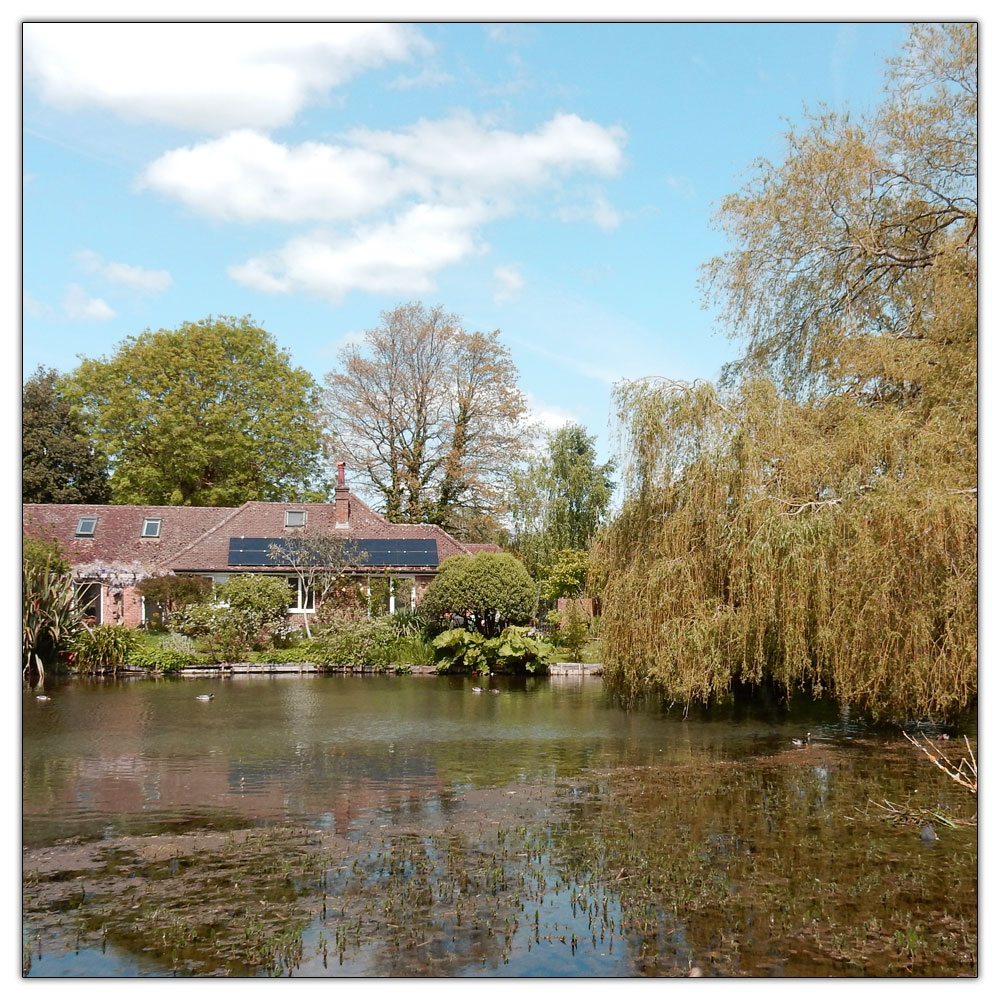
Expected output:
(366, 826)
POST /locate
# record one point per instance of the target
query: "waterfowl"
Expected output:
(42, 697)
(928, 834)
(204, 697)
(477, 690)
(802, 743)
(494, 691)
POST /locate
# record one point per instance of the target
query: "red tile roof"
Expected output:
(197, 538)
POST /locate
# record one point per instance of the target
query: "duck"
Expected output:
(477, 690)
(494, 690)
(204, 697)
(42, 697)
(802, 743)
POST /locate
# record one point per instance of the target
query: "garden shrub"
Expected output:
(104, 646)
(49, 620)
(489, 592)
(513, 651)
(353, 638)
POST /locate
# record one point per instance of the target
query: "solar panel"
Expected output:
(376, 551)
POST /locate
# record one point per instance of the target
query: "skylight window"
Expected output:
(86, 526)
(295, 518)
(151, 527)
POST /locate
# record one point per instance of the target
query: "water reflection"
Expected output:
(544, 831)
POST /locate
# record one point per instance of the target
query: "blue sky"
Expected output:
(556, 182)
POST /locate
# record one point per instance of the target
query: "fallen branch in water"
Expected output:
(913, 817)
(965, 773)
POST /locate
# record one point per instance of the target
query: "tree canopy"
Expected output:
(812, 522)
(58, 462)
(560, 498)
(491, 590)
(430, 414)
(210, 414)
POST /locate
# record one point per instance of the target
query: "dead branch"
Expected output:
(965, 773)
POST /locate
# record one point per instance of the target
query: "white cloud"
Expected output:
(508, 283)
(245, 176)
(395, 257)
(415, 199)
(598, 210)
(548, 417)
(205, 76)
(425, 78)
(682, 185)
(77, 304)
(35, 308)
(140, 279)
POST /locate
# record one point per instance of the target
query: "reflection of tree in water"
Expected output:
(772, 867)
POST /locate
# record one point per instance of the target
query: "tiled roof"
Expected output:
(197, 538)
(118, 537)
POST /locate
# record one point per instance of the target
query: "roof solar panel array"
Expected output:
(375, 551)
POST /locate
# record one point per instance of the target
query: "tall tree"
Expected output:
(58, 462)
(813, 522)
(210, 414)
(560, 498)
(430, 414)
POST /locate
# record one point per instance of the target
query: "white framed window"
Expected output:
(301, 598)
(86, 526)
(151, 527)
(295, 518)
(87, 600)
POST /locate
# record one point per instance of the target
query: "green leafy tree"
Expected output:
(561, 498)
(566, 577)
(212, 413)
(490, 591)
(58, 462)
(812, 523)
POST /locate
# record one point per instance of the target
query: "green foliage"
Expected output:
(574, 630)
(820, 531)
(513, 651)
(566, 577)
(49, 619)
(58, 462)
(104, 647)
(354, 639)
(212, 413)
(491, 590)
(172, 592)
(560, 499)
(263, 597)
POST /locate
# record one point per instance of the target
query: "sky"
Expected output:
(555, 182)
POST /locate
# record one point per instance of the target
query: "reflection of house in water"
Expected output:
(111, 548)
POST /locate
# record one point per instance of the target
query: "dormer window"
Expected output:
(85, 527)
(295, 518)
(151, 527)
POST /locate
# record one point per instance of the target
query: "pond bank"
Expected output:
(222, 669)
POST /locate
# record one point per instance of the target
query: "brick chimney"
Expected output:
(343, 498)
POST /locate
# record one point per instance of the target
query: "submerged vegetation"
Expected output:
(811, 522)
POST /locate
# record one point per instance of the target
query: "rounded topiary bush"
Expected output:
(489, 591)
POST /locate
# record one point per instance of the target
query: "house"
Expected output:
(111, 548)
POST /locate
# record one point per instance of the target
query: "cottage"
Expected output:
(112, 548)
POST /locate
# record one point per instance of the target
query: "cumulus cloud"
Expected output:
(507, 284)
(399, 256)
(245, 176)
(208, 77)
(77, 304)
(140, 279)
(425, 78)
(398, 205)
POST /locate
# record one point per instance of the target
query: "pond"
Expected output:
(410, 826)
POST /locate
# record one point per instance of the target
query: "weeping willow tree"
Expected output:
(811, 521)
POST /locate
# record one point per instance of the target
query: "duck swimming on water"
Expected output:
(204, 697)
(802, 743)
